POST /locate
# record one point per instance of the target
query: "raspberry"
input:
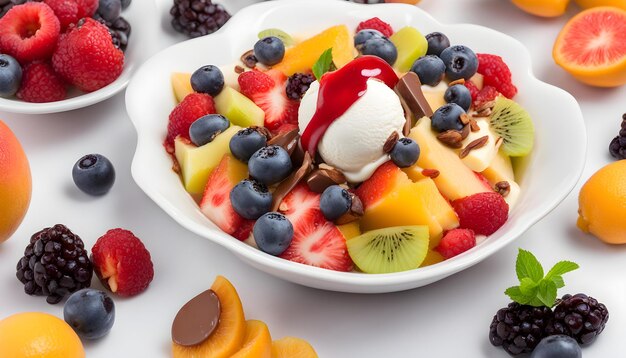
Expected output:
(488, 93)
(456, 242)
(86, 56)
(496, 74)
(473, 89)
(65, 10)
(29, 32)
(122, 262)
(41, 84)
(87, 8)
(376, 24)
(483, 212)
(194, 106)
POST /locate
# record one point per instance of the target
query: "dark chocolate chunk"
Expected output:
(197, 319)
(322, 178)
(292, 180)
(287, 140)
(409, 88)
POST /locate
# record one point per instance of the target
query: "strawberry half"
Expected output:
(316, 241)
(268, 91)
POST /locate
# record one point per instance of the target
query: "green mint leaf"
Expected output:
(528, 286)
(546, 293)
(516, 295)
(527, 265)
(561, 268)
(323, 64)
(558, 281)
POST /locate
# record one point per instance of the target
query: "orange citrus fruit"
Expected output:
(38, 335)
(586, 4)
(602, 204)
(292, 347)
(592, 47)
(543, 8)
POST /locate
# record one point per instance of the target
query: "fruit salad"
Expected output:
(371, 149)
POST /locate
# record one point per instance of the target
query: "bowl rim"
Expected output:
(354, 279)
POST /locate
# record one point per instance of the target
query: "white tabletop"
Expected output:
(446, 319)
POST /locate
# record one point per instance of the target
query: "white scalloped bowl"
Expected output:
(547, 178)
(143, 19)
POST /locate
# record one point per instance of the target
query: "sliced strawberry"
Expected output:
(316, 241)
(215, 203)
(268, 91)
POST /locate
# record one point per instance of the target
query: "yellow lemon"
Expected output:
(602, 204)
(544, 8)
(38, 335)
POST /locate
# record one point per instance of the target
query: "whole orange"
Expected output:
(602, 204)
(15, 183)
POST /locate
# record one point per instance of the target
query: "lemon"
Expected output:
(40, 335)
(602, 204)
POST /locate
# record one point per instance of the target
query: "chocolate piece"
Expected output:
(355, 212)
(292, 180)
(322, 178)
(297, 157)
(410, 89)
(263, 131)
(391, 142)
(408, 123)
(287, 140)
(197, 319)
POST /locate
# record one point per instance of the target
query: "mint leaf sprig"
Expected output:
(535, 289)
(324, 64)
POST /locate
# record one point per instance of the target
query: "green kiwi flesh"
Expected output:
(282, 35)
(511, 122)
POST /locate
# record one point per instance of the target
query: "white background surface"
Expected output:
(446, 319)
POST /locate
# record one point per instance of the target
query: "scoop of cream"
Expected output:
(354, 142)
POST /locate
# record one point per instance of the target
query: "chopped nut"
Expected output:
(249, 59)
(483, 113)
(475, 144)
(430, 173)
(464, 118)
(486, 105)
(460, 81)
(465, 131)
(239, 69)
(503, 188)
(474, 125)
(451, 138)
(391, 142)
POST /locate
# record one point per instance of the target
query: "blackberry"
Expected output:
(617, 148)
(298, 84)
(119, 29)
(519, 328)
(55, 264)
(580, 317)
(6, 5)
(198, 17)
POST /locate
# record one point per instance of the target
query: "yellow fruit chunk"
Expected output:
(434, 97)
(592, 47)
(455, 180)
(291, 347)
(501, 169)
(257, 343)
(303, 56)
(586, 4)
(197, 163)
(239, 109)
(432, 257)
(350, 230)
(230, 333)
(38, 335)
(15, 183)
(437, 205)
(181, 84)
(544, 8)
(602, 204)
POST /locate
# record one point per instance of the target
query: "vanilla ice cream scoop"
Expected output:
(354, 142)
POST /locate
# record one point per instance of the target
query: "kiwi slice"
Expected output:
(391, 249)
(282, 35)
(511, 122)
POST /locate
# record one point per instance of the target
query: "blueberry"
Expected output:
(245, 142)
(334, 202)
(269, 50)
(405, 153)
(10, 76)
(447, 117)
(460, 95)
(558, 346)
(251, 199)
(206, 128)
(208, 79)
(273, 233)
(270, 165)
(109, 10)
(125, 4)
(90, 313)
(437, 42)
(381, 47)
(93, 174)
(429, 69)
(362, 36)
(460, 61)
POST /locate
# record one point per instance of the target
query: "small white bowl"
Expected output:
(549, 174)
(143, 19)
